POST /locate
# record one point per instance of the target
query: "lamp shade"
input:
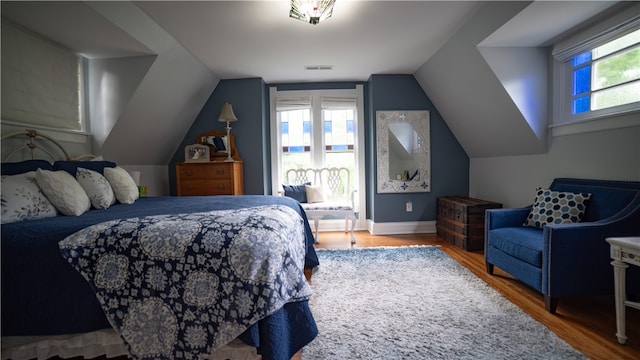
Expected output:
(226, 114)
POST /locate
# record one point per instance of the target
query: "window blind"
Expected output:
(41, 81)
(598, 34)
(289, 103)
(337, 102)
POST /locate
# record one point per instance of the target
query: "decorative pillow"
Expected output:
(13, 168)
(64, 192)
(124, 188)
(72, 166)
(554, 207)
(22, 199)
(298, 192)
(97, 188)
(315, 194)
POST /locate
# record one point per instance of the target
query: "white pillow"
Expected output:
(124, 188)
(64, 191)
(22, 199)
(97, 188)
(315, 194)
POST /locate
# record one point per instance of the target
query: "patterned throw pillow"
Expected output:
(555, 207)
(123, 185)
(63, 191)
(22, 199)
(97, 188)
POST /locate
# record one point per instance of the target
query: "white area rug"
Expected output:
(417, 303)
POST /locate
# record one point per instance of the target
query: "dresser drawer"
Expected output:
(209, 178)
(206, 187)
(204, 171)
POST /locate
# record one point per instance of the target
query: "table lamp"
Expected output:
(227, 115)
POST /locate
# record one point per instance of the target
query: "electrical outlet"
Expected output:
(409, 206)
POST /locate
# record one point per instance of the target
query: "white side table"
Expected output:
(624, 250)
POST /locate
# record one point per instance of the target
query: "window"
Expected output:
(596, 74)
(607, 76)
(318, 128)
(41, 81)
(316, 131)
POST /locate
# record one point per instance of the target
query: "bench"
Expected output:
(323, 192)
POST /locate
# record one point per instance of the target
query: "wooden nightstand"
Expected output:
(214, 177)
(209, 178)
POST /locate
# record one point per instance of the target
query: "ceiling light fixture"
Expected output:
(311, 11)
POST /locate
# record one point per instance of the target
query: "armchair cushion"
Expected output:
(521, 243)
(556, 207)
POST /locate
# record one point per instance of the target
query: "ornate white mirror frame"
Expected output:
(404, 159)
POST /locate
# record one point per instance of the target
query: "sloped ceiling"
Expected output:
(456, 50)
(490, 81)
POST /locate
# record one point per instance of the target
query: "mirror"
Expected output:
(403, 144)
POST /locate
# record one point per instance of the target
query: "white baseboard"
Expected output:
(392, 228)
(411, 227)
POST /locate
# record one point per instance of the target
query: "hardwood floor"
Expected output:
(587, 323)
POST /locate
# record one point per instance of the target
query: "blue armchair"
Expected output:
(562, 260)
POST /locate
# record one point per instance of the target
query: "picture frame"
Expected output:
(196, 153)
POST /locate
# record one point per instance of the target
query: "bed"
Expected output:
(61, 297)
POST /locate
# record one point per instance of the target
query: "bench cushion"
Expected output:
(327, 206)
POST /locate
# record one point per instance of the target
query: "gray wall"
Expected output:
(502, 111)
(512, 180)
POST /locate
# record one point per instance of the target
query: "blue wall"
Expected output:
(449, 162)
(250, 100)
(247, 98)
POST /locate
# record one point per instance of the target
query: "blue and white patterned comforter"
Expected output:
(180, 286)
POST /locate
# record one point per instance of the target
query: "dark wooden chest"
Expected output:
(461, 220)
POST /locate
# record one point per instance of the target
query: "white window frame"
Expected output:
(563, 121)
(359, 149)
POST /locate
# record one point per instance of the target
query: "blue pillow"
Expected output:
(297, 192)
(72, 166)
(14, 168)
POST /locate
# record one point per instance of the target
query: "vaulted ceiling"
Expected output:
(212, 40)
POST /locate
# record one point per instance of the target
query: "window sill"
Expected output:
(600, 124)
(71, 136)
